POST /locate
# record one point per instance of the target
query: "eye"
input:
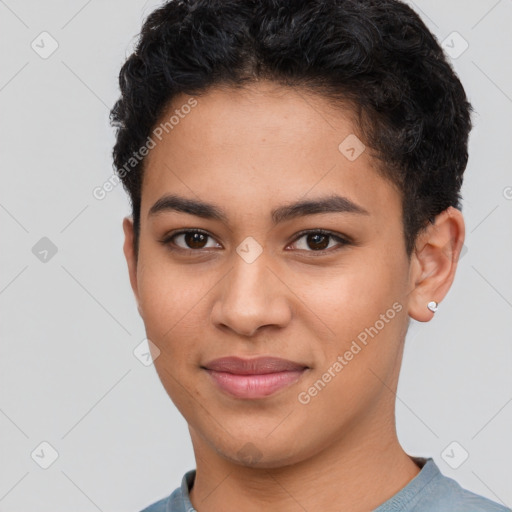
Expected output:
(319, 240)
(313, 241)
(189, 240)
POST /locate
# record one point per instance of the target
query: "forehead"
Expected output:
(259, 142)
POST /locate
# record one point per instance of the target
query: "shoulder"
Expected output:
(431, 491)
(158, 506)
(443, 494)
(447, 495)
(178, 501)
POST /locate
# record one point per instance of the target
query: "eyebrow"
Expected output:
(330, 204)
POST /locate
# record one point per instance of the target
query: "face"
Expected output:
(321, 286)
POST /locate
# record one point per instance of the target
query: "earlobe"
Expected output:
(434, 262)
(130, 256)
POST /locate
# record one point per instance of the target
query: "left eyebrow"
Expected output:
(331, 204)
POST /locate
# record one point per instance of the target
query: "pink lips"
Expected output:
(253, 378)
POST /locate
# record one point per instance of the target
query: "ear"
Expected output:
(131, 260)
(434, 262)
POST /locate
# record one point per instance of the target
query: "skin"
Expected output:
(248, 152)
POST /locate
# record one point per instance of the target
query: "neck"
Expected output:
(359, 471)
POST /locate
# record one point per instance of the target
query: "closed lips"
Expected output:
(253, 378)
(258, 366)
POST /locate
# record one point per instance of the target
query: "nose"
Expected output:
(251, 297)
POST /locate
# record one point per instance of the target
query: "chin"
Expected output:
(262, 453)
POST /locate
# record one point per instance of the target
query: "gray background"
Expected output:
(69, 324)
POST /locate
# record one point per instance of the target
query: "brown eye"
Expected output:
(190, 240)
(318, 241)
(195, 240)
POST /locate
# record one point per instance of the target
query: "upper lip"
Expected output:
(257, 366)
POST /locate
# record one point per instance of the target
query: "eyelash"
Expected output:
(167, 241)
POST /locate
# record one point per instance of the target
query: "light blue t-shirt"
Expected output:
(428, 491)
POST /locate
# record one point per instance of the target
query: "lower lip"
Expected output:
(254, 386)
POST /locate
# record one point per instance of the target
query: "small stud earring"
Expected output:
(432, 305)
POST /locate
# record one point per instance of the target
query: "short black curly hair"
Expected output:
(376, 55)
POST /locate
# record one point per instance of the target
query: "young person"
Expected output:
(294, 170)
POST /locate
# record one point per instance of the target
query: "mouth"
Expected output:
(253, 378)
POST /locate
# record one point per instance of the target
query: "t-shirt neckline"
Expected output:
(428, 471)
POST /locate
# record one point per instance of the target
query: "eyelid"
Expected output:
(166, 240)
(342, 240)
(339, 236)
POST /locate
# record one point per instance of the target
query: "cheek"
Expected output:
(354, 295)
(168, 295)
(362, 306)
(171, 306)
